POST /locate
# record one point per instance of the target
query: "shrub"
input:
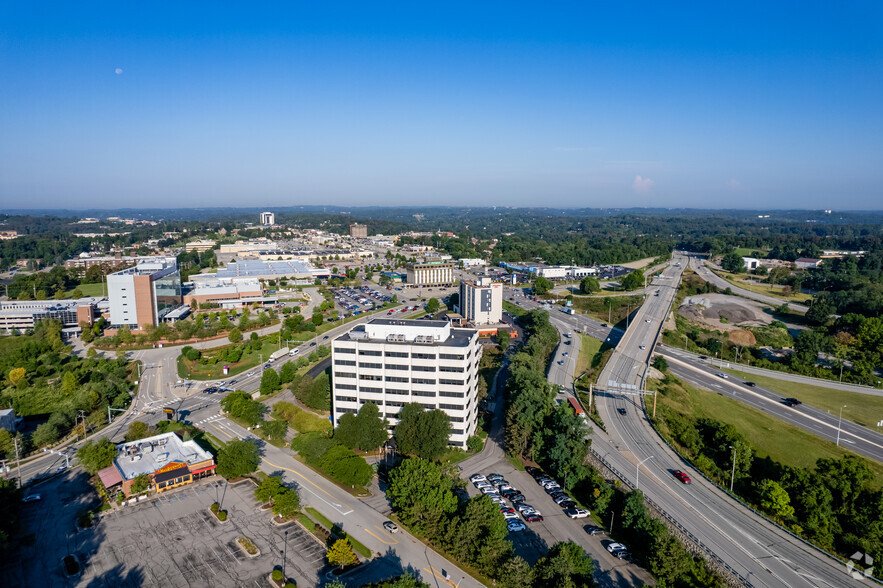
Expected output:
(474, 443)
(277, 575)
(222, 515)
(215, 507)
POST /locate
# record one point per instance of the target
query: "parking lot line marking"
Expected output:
(381, 538)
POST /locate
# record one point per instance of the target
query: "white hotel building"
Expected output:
(395, 362)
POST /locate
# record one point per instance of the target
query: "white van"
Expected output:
(293, 352)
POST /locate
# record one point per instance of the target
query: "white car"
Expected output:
(642, 347)
(510, 515)
(646, 320)
(723, 375)
(614, 547)
(477, 478)
(488, 490)
(515, 526)
(249, 374)
(576, 513)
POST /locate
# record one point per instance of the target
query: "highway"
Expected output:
(760, 553)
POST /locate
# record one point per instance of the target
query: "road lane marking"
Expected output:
(333, 504)
(433, 572)
(370, 532)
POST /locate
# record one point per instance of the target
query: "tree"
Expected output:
(542, 286)
(269, 382)
(588, 285)
(660, 363)
(137, 430)
(275, 429)
(286, 503)
(820, 312)
(96, 455)
(17, 376)
(633, 281)
(422, 433)
(365, 430)
(45, 434)
(474, 444)
(422, 495)
(238, 458)
(269, 489)
(235, 335)
(515, 573)
(432, 305)
(140, 484)
(346, 467)
(287, 373)
(566, 564)
(733, 262)
(775, 500)
(503, 338)
(341, 554)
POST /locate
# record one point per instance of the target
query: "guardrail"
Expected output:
(736, 579)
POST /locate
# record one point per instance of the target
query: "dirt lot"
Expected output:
(707, 309)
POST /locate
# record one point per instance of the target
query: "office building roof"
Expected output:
(147, 455)
(256, 268)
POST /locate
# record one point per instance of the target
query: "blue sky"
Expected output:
(739, 104)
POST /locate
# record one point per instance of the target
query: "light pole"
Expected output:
(638, 471)
(733, 474)
(839, 422)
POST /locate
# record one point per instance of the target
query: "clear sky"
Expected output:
(714, 104)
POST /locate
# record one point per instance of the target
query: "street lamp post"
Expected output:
(840, 422)
(638, 470)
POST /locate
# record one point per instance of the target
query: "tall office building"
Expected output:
(268, 218)
(144, 294)
(431, 273)
(394, 362)
(481, 301)
(357, 230)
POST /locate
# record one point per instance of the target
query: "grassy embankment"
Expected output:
(593, 356)
(768, 435)
(766, 289)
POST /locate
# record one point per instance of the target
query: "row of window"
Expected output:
(399, 367)
(396, 403)
(378, 353)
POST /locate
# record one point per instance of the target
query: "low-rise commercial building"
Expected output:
(109, 262)
(201, 245)
(22, 315)
(472, 262)
(807, 262)
(221, 290)
(357, 230)
(431, 273)
(395, 362)
(165, 459)
(267, 270)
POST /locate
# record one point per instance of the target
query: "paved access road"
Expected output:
(702, 269)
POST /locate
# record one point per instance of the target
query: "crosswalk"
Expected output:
(210, 419)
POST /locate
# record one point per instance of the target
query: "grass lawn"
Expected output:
(863, 409)
(193, 370)
(588, 348)
(769, 436)
(88, 290)
(747, 251)
(768, 289)
(513, 309)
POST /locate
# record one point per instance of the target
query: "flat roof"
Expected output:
(257, 267)
(147, 455)
(409, 323)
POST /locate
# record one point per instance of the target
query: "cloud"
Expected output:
(734, 185)
(642, 185)
(118, 71)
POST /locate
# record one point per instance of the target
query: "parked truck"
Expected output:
(568, 310)
(577, 409)
(277, 354)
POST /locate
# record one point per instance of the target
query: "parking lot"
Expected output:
(170, 540)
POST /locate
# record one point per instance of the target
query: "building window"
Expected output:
(370, 352)
(344, 362)
(375, 366)
(341, 410)
(395, 366)
(424, 393)
(422, 381)
(345, 386)
(396, 354)
(456, 431)
(344, 350)
(450, 356)
(394, 403)
(345, 398)
(395, 379)
(370, 378)
(451, 394)
(374, 390)
(447, 368)
(451, 382)
(423, 355)
(450, 406)
(344, 375)
(423, 368)
(397, 392)
(455, 419)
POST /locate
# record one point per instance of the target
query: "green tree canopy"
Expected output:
(432, 305)
(96, 454)
(566, 564)
(238, 458)
(588, 285)
(733, 262)
(422, 433)
(633, 281)
(422, 495)
(542, 286)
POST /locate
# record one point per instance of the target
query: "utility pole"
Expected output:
(17, 460)
(591, 386)
(733, 474)
(655, 392)
(611, 524)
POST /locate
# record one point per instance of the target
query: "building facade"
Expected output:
(357, 230)
(268, 218)
(22, 315)
(221, 290)
(144, 294)
(395, 362)
(431, 273)
(201, 245)
(481, 301)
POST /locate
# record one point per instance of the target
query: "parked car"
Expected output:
(576, 513)
(477, 478)
(682, 477)
(515, 526)
(515, 498)
(509, 516)
(31, 498)
(391, 527)
(493, 477)
(593, 530)
(562, 498)
(568, 504)
(533, 517)
(618, 550)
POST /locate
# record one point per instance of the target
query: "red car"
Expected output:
(682, 477)
(533, 518)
